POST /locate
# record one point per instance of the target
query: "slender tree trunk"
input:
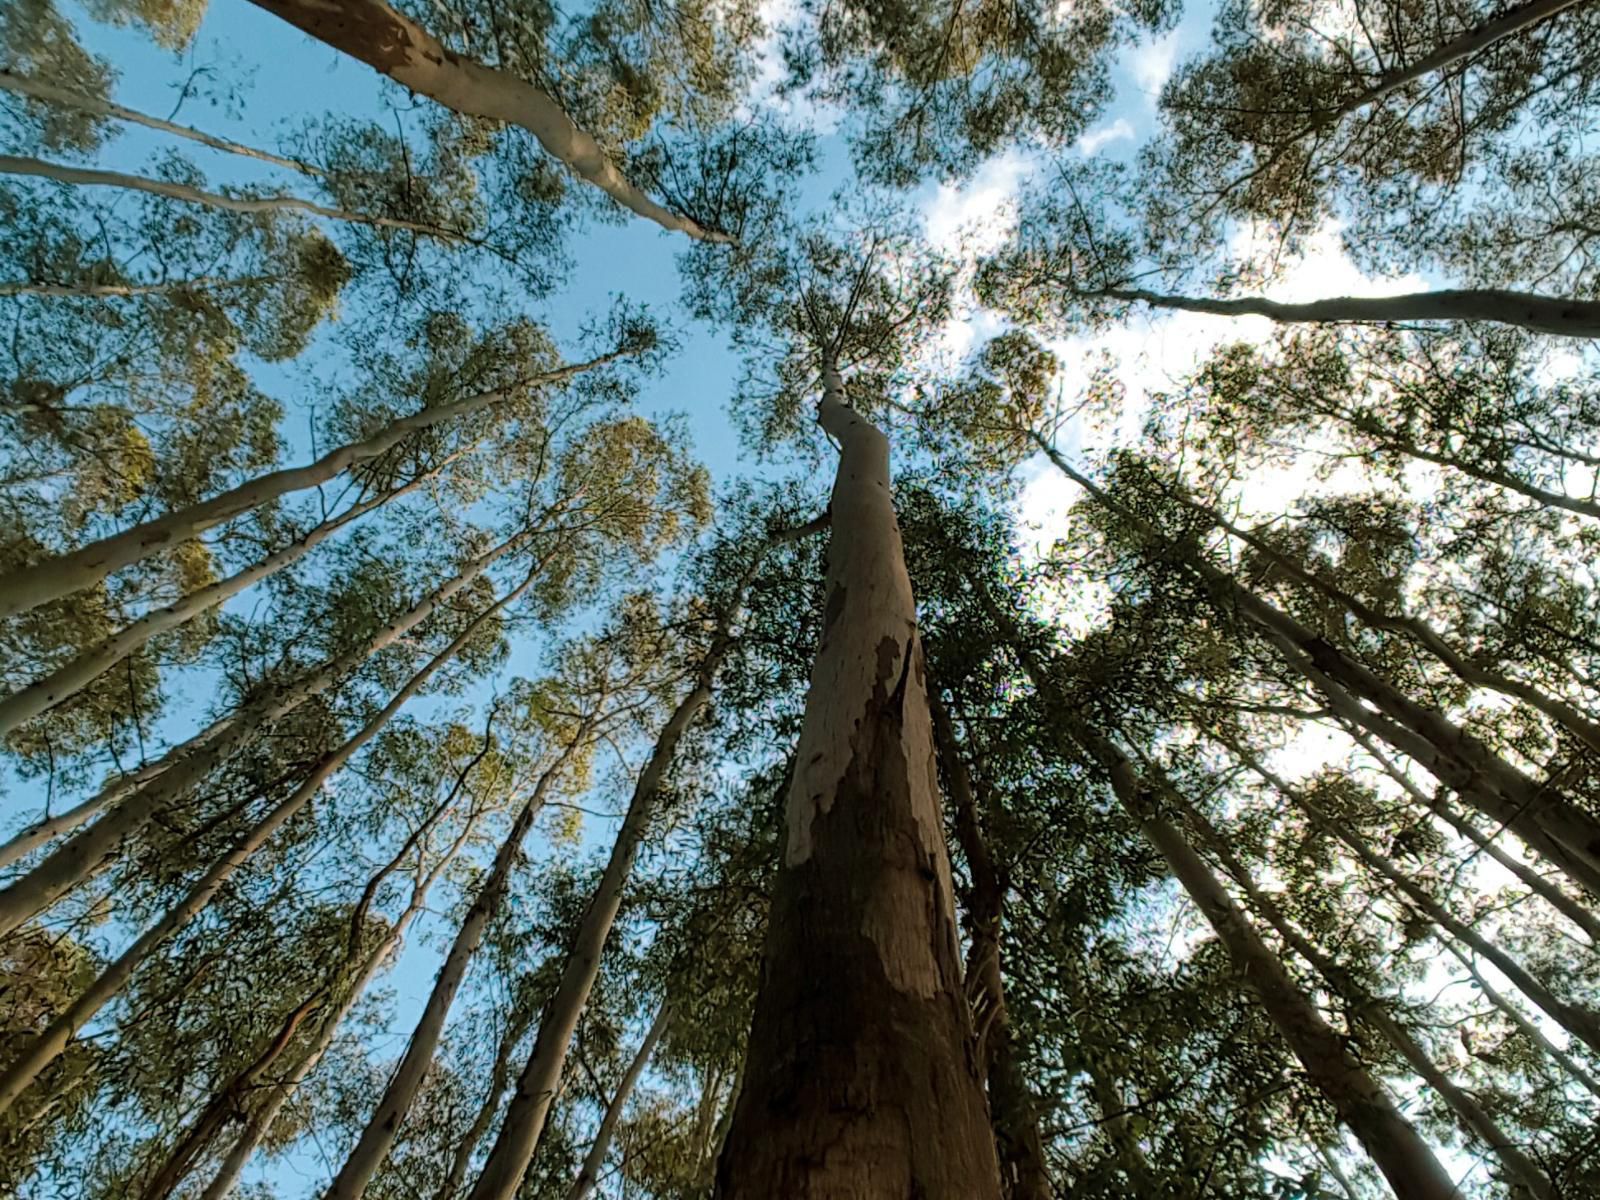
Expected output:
(1456, 50)
(39, 89)
(1527, 1027)
(1538, 813)
(87, 291)
(90, 851)
(1582, 1023)
(87, 177)
(71, 678)
(1405, 1159)
(861, 1080)
(536, 1087)
(1542, 314)
(65, 574)
(394, 45)
(1521, 1170)
(384, 1125)
(595, 1160)
(1018, 1144)
(48, 1045)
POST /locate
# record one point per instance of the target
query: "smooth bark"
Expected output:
(65, 574)
(378, 1136)
(537, 1085)
(1554, 315)
(45, 1048)
(88, 291)
(595, 1160)
(394, 45)
(861, 1077)
(72, 677)
(88, 177)
(39, 89)
(89, 852)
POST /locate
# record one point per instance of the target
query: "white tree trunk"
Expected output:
(39, 89)
(90, 851)
(384, 1125)
(68, 573)
(596, 1158)
(86, 291)
(71, 678)
(394, 45)
(48, 1045)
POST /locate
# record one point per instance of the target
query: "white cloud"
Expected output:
(1096, 140)
(978, 215)
(1150, 64)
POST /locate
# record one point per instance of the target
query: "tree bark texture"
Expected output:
(862, 1079)
(394, 45)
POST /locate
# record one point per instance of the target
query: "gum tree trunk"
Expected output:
(596, 1158)
(861, 1079)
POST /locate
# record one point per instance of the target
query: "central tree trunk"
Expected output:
(861, 1079)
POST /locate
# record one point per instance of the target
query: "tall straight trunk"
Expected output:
(1525, 1176)
(90, 851)
(1527, 1027)
(1018, 1143)
(65, 574)
(537, 1085)
(44, 1049)
(394, 45)
(384, 1125)
(1393, 1144)
(87, 177)
(72, 677)
(1549, 822)
(231, 1099)
(861, 1077)
(1555, 315)
(40, 89)
(1582, 1023)
(499, 1080)
(595, 1160)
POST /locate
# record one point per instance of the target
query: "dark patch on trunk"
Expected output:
(847, 1077)
(835, 606)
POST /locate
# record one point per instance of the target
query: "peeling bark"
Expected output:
(862, 1077)
(394, 45)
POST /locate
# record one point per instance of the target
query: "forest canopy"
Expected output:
(869, 600)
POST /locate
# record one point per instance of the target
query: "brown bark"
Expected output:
(861, 1078)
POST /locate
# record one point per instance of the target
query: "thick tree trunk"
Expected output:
(1521, 1170)
(861, 1080)
(595, 1160)
(48, 1045)
(1553, 315)
(1580, 1022)
(536, 1087)
(90, 851)
(39, 89)
(1363, 1105)
(71, 678)
(68, 573)
(1018, 1144)
(384, 1126)
(394, 45)
(87, 177)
